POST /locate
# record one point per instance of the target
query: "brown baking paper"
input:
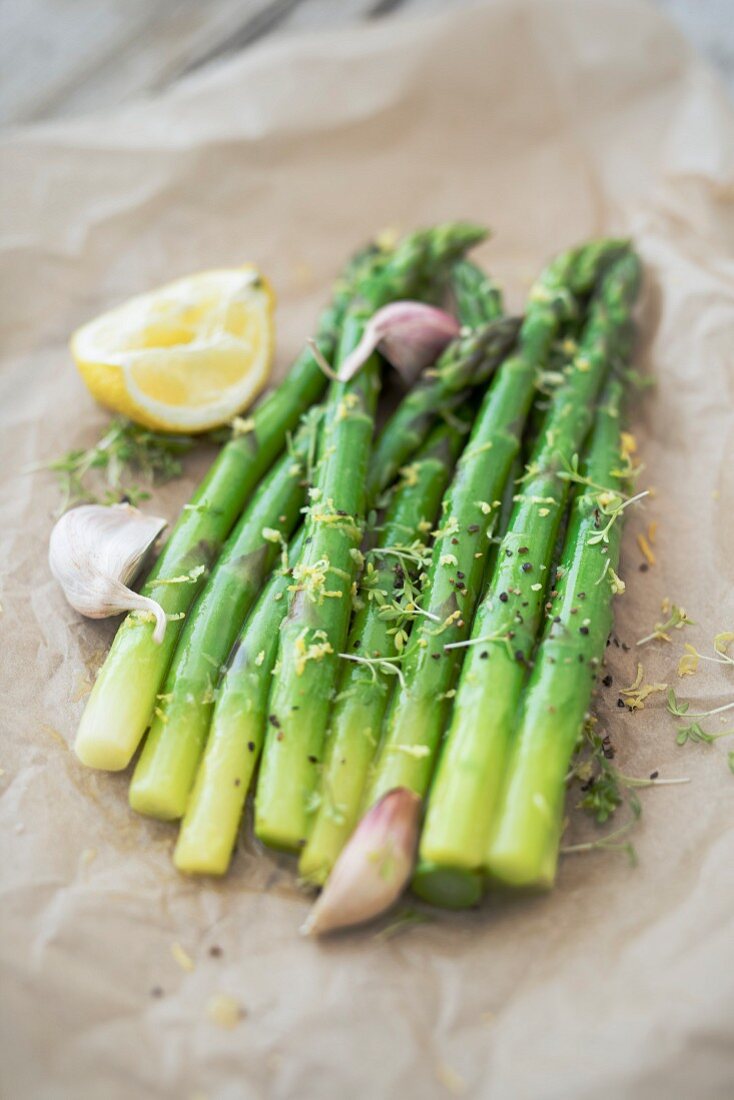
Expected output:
(552, 123)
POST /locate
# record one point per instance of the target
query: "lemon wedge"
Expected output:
(185, 357)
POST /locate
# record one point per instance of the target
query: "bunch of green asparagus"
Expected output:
(418, 613)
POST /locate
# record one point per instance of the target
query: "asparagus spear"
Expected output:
(209, 828)
(417, 713)
(167, 765)
(464, 794)
(373, 650)
(123, 698)
(315, 630)
(523, 846)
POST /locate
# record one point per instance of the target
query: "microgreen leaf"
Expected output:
(694, 733)
(676, 708)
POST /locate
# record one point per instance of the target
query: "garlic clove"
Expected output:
(96, 551)
(373, 867)
(410, 335)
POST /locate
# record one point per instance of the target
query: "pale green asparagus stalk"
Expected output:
(209, 828)
(464, 795)
(522, 848)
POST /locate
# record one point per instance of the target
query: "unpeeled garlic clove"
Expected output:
(96, 551)
(373, 867)
(410, 335)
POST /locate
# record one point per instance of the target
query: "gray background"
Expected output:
(68, 57)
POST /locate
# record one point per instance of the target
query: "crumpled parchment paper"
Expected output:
(551, 122)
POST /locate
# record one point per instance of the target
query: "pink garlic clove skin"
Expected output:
(374, 867)
(410, 335)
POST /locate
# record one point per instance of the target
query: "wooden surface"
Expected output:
(67, 57)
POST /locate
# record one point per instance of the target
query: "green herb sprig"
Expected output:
(694, 733)
(605, 789)
(107, 472)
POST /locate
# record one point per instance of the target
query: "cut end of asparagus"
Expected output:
(313, 872)
(447, 887)
(164, 805)
(113, 722)
(279, 839)
(522, 868)
(523, 850)
(105, 753)
(201, 858)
